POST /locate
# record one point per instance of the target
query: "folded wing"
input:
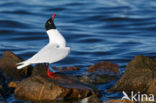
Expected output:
(50, 54)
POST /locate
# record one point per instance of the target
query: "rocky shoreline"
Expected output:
(32, 84)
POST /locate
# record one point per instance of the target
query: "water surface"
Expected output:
(96, 30)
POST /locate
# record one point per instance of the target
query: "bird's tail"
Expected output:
(22, 65)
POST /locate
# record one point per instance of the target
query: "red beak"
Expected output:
(53, 16)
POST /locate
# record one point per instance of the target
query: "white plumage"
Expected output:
(54, 51)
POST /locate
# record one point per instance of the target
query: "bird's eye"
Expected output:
(57, 46)
(49, 22)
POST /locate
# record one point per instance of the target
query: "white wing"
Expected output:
(49, 54)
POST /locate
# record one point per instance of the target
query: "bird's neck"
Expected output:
(55, 37)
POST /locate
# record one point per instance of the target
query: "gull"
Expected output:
(54, 51)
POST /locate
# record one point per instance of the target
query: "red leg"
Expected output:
(50, 74)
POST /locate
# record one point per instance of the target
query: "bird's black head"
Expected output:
(50, 24)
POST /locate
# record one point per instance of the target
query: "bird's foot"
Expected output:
(50, 74)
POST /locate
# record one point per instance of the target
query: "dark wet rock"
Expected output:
(66, 69)
(101, 73)
(106, 67)
(39, 69)
(97, 79)
(5, 91)
(91, 99)
(42, 88)
(137, 77)
(8, 65)
(2, 100)
(9, 72)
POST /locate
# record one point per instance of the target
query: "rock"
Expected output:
(126, 101)
(137, 77)
(91, 99)
(8, 66)
(13, 84)
(107, 67)
(97, 79)
(119, 101)
(42, 88)
(101, 73)
(152, 87)
(39, 69)
(66, 69)
(5, 91)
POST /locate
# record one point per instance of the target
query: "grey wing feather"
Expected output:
(50, 54)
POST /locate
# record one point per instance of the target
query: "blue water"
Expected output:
(96, 30)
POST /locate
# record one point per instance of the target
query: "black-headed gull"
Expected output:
(54, 51)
